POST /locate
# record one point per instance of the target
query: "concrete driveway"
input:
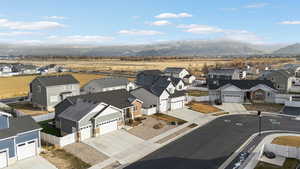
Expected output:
(232, 107)
(113, 142)
(32, 163)
(187, 115)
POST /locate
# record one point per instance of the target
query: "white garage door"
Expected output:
(86, 133)
(26, 150)
(177, 105)
(163, 105)
(232, 98)
(108, 127)
(3, 159)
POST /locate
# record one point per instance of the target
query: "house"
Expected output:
(95, 114)
(240, 91)
(147, 77)
(181, 73)
(292, 107)
(107, 84)
(19, 138)
(52, 68)
(5, 68)
(284, 81)
(226, 74)
(47, 91)
(160, 98)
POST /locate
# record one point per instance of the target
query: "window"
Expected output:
(134, 108)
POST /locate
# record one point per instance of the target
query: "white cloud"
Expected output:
(257, 5)
(160, 23)
(243, 35)
(16, 25)
(55, 17)
(140, 32)
(290, 22)
(16, 33)
(173, 15)
(200, 29)
(79, 39)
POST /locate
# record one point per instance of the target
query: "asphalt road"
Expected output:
(209, 146)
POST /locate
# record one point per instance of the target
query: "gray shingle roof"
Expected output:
(19, 125)
(173, 69)
(108, 82)
(144, 95)
(222, 71)
(242, 84)
(178, 94)
(57, 80)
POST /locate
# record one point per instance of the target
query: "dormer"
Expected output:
(4, 120)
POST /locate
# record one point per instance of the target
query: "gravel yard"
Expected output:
(146, 130)
(86, 153)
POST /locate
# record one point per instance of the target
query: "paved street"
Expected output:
(209, 146)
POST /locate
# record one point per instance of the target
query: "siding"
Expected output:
(3, 122)
(66, 125)
(57, 90)
(27, 136)
(8, 143)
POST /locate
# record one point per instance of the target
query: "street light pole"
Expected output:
(259, 122)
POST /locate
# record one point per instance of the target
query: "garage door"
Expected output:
(232, 99)
(177, 105)
(86, 133)
(3, 159)
(26, 150)
(163, 105)
(108, 127)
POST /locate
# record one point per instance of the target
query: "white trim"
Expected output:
(5, 114)
(7, 155)
(35, 140)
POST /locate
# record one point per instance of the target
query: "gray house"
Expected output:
(48, 91)
(107, 84)
(240, 91)
(19, 138)
(96, 113)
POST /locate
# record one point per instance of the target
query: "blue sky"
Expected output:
(110, 22)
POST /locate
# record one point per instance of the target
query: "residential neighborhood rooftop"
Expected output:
(57, 80)
(242, 84)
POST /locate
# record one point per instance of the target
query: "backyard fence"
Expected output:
(197, 88)
(285, 151)
(58, 141)
(44, 117)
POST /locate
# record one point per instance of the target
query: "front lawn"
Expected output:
(202, 107)
(197, 93)
(265, 107)
(49, 128)
(293, 141)
(167, 118)
(288, 164)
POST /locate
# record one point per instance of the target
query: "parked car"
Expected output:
(218, 102)
(269, 154)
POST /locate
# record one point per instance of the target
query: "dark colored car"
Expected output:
(218, 102)
(269, 154)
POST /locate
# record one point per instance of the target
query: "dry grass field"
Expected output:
(19, 85)
(293, 141)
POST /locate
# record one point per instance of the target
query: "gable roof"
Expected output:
(57, 80)
(117, 98)
(108, 82)
(222, 71)
(173, 69)
(242, 84)
(151, 72)
(144, 95)
(178, 94)
(19, 125)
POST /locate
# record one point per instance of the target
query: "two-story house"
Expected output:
(48, 91)
(19, 138)
(181, 73)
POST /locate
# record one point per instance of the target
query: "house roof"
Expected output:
(117, 98)
(108, 82)
(57, 80)
(178, 94)
(222, 71)
(242, 84)
(19, 125)
(145, 95)
(78, 110)
(173, 69)
(151, 72)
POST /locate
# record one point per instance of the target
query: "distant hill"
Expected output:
(177, 48)
(289, 50)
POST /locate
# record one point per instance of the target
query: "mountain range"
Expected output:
(177, 48)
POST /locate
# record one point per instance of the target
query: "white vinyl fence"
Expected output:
(198, 99)
(285, 151)
(58, 141)
(149, 111)
(44, 117)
